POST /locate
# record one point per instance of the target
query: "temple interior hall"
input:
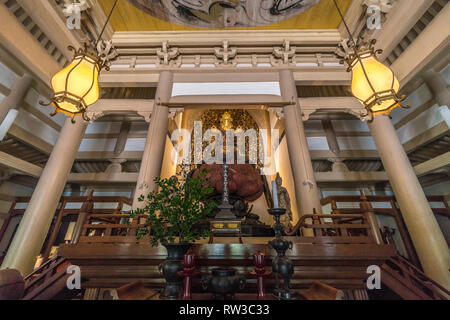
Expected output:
(301, 142)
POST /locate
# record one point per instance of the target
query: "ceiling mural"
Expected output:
(194, 15)
(224, 13)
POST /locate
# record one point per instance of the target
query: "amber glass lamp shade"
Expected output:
(374, 84)
(76, 86)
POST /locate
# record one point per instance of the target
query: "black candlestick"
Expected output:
(282, 266)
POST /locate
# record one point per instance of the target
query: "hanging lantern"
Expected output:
(76, 86)
(373, 83)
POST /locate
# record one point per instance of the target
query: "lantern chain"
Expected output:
(106, 23)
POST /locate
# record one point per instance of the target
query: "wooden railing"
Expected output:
(47, 281)
(111, 228)
(363, 203)
(342, 228)
(72, 205)
(337, 228)
(409, 282)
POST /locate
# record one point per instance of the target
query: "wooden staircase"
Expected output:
(410, 283)
(48, 281)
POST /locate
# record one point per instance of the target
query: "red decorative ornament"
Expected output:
(188, 273)
(259, 261)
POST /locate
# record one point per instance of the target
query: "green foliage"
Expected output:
(174, 209)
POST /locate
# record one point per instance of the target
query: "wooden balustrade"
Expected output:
(336, 228)
(409, 282)
(111, 228)
(68, 206)
(47, 281)
(343, 225)
(389, 207)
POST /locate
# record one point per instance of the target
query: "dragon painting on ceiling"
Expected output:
(224, 13)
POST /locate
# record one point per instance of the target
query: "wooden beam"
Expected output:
(235, 37)
(406, 12)
(20, 165)
(433, 165)
(95, 155)
(321, 177)
(6, 197)
(414, 114)
(122, 138)
(4, 215)
(430, 43)
(46, 120)
(30, 139)
(431, 134)
(346, 154)
(350, 176)
(123, 178)
(20, 43)
(44, 14)
(4, 90)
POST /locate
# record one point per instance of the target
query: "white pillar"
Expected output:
(306, 191)
(438, 86)
(16, 97)
(156, 140)
(38, 216)
(426, 235)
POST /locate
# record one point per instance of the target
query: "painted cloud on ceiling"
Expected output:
(224, 13)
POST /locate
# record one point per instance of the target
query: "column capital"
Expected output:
(147, 115)
(279, 111)
(17, 95)
(173, 112)
(438, 86)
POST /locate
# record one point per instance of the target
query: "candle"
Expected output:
(275, 194)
